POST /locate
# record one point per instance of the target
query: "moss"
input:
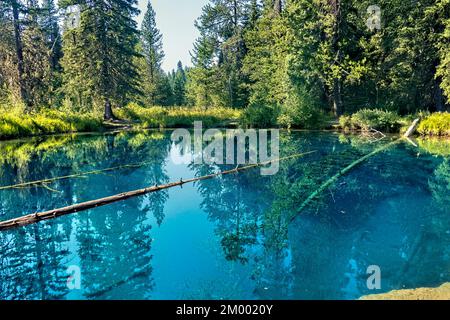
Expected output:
(436, 124)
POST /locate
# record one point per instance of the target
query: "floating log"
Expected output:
(51, 214)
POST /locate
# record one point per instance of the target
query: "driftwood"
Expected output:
(41, 216)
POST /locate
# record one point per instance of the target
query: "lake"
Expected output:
(230, 237)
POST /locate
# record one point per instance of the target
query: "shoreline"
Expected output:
(439, 293)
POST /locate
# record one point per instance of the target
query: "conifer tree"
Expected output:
(152, 48)
(50, 27)
(179, 85)
(100, 53)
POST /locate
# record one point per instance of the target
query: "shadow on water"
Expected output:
(227, 237)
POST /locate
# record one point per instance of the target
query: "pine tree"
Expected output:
(16, 7)
(222, 27)
(152, 49)
(52, 33)
(266, 60)
(7, 53)
(179, 85)
(37, 69)
(100, 54)
(325, 48)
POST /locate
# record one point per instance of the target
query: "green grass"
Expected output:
(436, 124)
(16, 125)
(176, 117)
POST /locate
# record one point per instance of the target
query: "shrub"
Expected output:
(345, 122)
(302, 111)
(259, 115)
(366, 119)
(436, 124)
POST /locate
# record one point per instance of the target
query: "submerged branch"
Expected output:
(76, 175)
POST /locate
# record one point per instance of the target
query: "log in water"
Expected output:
(41, 216)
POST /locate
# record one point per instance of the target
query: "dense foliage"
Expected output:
(299, 59)
(292, 63)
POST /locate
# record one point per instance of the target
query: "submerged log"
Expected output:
(344, 171)
(41, 216)
(334, 178)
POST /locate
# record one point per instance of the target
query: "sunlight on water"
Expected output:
(224, 238)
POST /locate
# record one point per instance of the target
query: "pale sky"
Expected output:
(175, 19)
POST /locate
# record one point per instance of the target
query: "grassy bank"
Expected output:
(435, 124)
(17, 124)
(176, 117)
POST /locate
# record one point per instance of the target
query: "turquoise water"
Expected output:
(229, 237)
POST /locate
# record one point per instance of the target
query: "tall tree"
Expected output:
(52, 32)
(222, 26)
(152, 47)
(101, 51)
(325, 48)
(179, 85)
(266, 59)
(8, 69)
(16, 7)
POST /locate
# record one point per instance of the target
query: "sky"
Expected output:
(175, 19)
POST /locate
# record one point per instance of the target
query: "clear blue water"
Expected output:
(229, 237)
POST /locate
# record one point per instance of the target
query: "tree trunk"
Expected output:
(337, 105)
(438, 97)
(235, 16)
(109, 115)
(19, 52)
(336, 94)
(277, 6)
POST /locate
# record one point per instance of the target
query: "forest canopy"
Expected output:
(289, 63)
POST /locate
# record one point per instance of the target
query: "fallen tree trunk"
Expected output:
(412, 129)
(41, 216)
(334, 178)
